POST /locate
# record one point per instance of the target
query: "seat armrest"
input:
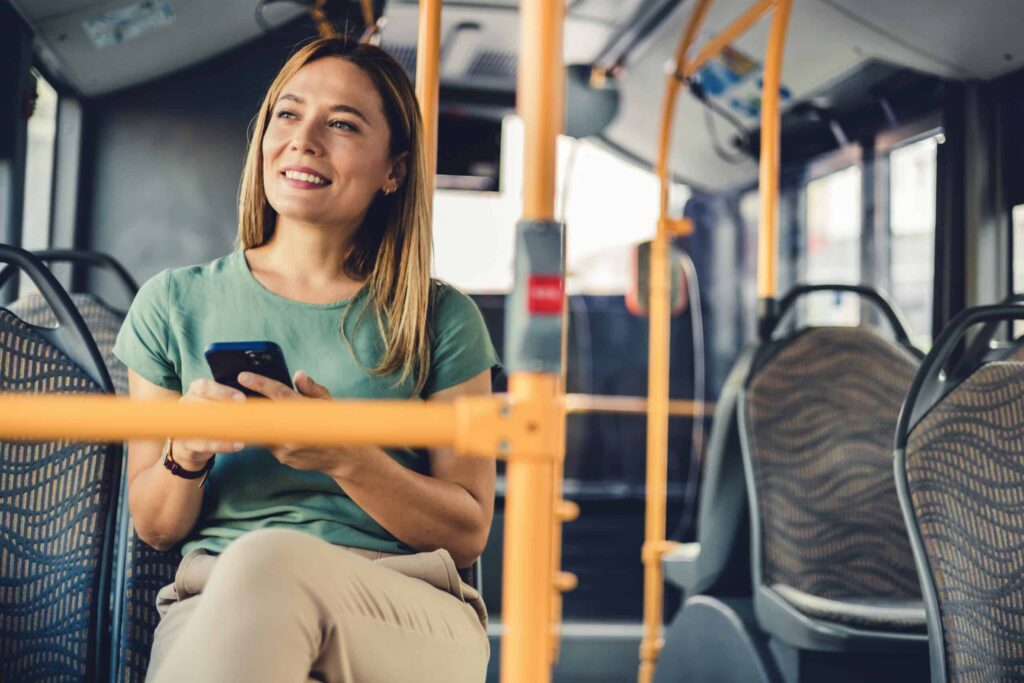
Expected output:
(682, 568)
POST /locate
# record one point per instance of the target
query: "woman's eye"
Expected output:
(343, 125)
(285, 114)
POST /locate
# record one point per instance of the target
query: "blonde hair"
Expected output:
(391, 250)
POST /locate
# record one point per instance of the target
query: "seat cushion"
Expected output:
(898, 615)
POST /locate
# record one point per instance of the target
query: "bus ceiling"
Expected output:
(842, 58)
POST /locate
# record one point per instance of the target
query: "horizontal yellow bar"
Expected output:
(635, 405)
(732, 32)
(486, 426)
(323, 423)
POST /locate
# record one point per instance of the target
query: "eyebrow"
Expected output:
(347, 108)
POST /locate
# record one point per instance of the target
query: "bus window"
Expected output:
(1018, 260)
(474, 239)
(833, 244)
(912, 225)
(42, 135)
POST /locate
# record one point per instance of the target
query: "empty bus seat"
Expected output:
(57, 504)
(960, 472)
(718, 562)
(833, 566)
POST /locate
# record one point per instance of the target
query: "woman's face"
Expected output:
(326, 148)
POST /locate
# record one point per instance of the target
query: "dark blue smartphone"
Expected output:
(228, 359)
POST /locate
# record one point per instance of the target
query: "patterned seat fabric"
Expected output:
(103, 322)
(56, 499)
(965, 474)
(821, 415)
(145, 569)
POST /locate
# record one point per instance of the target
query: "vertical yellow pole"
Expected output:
(428, 81)
(529, 572)
(768, 239)
(657, 375)
(367, 7)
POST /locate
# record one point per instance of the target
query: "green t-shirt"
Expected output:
(179, 312)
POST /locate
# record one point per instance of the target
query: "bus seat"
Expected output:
(140, 571)
(832, 563)
(960, 473)
(57, 504)
(718, 562)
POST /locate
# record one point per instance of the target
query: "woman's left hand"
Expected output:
(308, 458)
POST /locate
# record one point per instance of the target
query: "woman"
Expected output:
(303, 563)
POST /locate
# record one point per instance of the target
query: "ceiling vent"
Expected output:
(493, 64)
(404, 55)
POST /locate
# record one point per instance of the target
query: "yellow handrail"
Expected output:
(530, 573)
(367, 8)
(768, 235)
(485, 426)
(715, 45)
(576, 404)
(655, 544)
(657, 375)
(428, 81)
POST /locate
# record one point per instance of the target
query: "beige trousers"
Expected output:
(281, 606)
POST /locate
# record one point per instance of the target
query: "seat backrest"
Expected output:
(963, 478)
(723, 520)
(140, 570)
(103, 322)
(57, 503)
(819, 414)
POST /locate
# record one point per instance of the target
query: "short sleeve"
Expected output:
(143, 344)
(462, 346)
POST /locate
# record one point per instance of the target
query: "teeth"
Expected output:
(296, 175)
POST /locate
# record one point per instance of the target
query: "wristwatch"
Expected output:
(177, 470)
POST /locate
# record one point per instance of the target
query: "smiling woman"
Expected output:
(317, 562)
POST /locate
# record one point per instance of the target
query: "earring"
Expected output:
(388, 190)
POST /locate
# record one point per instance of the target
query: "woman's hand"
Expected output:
(308, 458)
(192, 454)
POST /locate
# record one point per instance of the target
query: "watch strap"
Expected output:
(177, 470)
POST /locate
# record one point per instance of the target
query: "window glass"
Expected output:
(1018, 260)
(610, 205)
(42, 135)
(833, 244)
(1018, 249)
(912, 225)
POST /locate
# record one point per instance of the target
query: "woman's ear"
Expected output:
(399, 169)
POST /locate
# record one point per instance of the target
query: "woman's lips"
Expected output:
(301, 184)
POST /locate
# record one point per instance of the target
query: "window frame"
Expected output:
(887, 142)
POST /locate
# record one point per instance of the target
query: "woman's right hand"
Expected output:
(192, 454)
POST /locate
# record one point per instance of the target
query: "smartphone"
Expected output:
(228, 359)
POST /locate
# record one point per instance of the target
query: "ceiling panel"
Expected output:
(199, 30)
(40, 10)
(824, 44)
(976, 38)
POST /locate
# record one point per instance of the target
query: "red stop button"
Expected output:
(544, 294)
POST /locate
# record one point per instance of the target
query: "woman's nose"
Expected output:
(305, 140)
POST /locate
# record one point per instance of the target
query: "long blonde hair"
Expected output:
(391, 250)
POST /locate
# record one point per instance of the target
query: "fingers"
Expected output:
(265, 386)
(208, 390)
(308, 387)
